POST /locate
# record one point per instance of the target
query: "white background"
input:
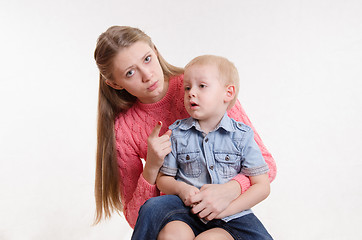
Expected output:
(301, 82)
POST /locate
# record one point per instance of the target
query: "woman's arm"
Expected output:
(135, 189)
(157, 148)
(258, 191)
(237, 112)
(139, 184)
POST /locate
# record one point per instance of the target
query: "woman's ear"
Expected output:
(230, 93)
(113, 85)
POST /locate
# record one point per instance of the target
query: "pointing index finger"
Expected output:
(156, 130)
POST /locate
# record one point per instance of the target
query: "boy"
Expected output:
(211, 148)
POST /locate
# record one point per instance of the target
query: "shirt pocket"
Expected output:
(190, 164)
(228, 164)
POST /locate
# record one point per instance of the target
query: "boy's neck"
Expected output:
(210, 124)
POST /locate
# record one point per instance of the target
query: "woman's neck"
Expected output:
(166, 84)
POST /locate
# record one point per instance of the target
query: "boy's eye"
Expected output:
(148, 59)
(187, 88)
(130, 73)
(202, 86)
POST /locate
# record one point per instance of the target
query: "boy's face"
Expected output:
(204, 93)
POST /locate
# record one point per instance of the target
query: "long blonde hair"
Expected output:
(112, 102)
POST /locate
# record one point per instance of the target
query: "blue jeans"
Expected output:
(158, 211)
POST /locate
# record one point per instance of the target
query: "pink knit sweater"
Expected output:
(132, 129)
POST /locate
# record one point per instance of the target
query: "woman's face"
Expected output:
(138, 71)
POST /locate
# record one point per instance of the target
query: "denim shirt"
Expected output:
(215, 158)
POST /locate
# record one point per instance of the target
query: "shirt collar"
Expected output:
(225, 123)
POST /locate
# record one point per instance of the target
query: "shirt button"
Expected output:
(211, 167)
(187, 157)
(227, 158)
(206, 139)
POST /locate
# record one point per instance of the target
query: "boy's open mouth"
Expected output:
(193, 104)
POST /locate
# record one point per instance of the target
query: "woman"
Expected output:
(138, 90)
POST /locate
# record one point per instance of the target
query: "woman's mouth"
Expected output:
(153, 86)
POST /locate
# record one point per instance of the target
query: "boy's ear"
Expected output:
(230, 93)
(113, 85)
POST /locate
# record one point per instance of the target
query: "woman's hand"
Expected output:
(157, 148)
(214, 199)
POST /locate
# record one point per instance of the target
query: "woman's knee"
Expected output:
(176, 230)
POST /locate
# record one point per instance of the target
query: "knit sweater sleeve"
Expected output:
(238, 113)
(142, 193)
(135, 189)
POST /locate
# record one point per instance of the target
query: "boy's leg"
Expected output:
(243, 228)
(214, 234)
(176, 230)
(156, 212)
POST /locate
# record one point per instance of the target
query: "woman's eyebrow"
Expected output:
(128, 68)
(133, 66)
(144, 56)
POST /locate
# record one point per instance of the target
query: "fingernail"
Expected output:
(159, 122)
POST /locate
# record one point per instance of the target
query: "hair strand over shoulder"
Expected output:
(112, 102)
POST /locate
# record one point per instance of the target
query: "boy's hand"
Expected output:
(212, 200)
(186, 192)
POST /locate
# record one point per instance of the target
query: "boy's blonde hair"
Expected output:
(228, 73)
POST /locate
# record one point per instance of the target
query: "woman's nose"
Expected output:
(146, 74)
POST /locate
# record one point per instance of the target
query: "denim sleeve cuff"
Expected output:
(168, 171)
(255, 171)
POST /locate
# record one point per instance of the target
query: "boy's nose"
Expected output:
(190, 92)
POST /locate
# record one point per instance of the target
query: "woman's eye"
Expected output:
(148, 59)
(130, 73)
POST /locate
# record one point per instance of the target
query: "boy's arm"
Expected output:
(258, 191)
(169, 185)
